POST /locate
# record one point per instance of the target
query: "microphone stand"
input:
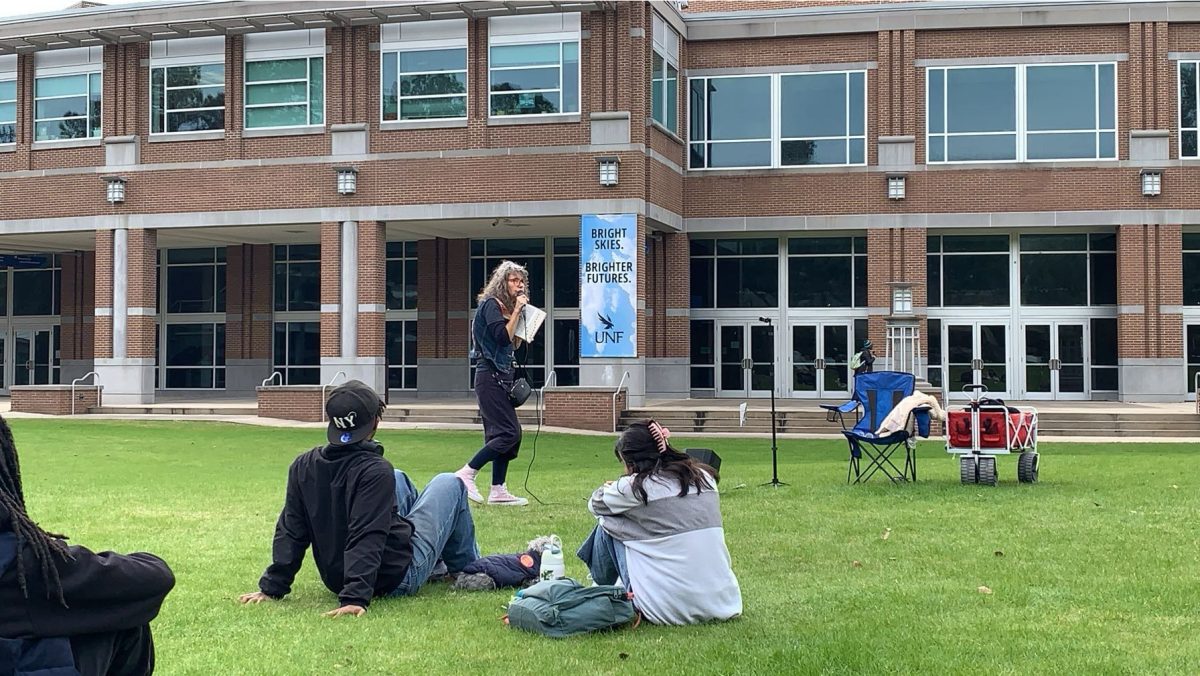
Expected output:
(774, 448)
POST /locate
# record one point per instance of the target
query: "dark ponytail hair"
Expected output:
(644, 450)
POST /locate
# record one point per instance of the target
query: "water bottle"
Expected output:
(553, 567)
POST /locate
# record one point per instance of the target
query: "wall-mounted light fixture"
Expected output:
(1151, 182)
(116, 189)
(609, 168)
(895, 186)
(347, 180)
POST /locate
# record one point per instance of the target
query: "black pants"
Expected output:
(117, 653)
(501, 429)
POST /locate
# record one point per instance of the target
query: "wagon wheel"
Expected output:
(987, 471)
(968, 469)
(1027, 467)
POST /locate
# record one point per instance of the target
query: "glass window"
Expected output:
(823, 118)
(285, 93)
(1069, 113)
(1191, 269)
(735, 272)
(402, 355)
(664, 87)
(703, 354)
(731, 122)
(8, 111)
(34, 292)
(827, 272)
(195, 280)
(402, 275)
(298, 352)
(566, 273)
(424, 84)
(534, 79)
(297, 277)
(1192, 349)
(1104, 355)
(486, 254)
(968, 270)
(566, 351)
(195, 356)
(1188, 126)
(66, 107)
(188, 98)
(935, 352)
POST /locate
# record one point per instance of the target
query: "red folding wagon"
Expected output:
(987, 428)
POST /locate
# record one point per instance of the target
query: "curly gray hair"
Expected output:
(497, 285)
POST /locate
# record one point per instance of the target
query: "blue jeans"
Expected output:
(605, 557)
(442, 528)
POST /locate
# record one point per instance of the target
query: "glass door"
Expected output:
(1055, 361)
(33, 354)
(746, 364)
(821, 360)
(976, 353)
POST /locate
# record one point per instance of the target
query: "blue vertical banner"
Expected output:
(608, 285)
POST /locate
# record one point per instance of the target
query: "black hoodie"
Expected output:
(342, 501)
(104, 592)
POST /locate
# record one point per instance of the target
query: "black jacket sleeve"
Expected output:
(292, 539)
(104, 592)
(372, 509)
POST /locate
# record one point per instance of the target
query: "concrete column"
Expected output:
(339, 310)
(128, 297)
(1150, 355)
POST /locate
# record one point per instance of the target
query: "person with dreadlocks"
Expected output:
(63, 608)
(660, 532)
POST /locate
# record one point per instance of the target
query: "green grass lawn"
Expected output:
(1093, 570)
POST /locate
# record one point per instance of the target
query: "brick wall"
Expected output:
(77, 299)
(52, 399)
(248, 285)
(1149, 264)
(895, 255)
(142, 294)
(372, 282)
(443, 281)
(582, 408)
(291, 402)
(331, 289)
(667, 288)
(103, 294)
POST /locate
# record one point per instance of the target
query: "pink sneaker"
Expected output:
(467, 476)
(501, 496)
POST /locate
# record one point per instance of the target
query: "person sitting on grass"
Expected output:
(63, 608)
(660, 532)
(371, 534)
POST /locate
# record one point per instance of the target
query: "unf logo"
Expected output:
(345, 422)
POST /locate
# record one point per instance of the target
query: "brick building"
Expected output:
(197, 195)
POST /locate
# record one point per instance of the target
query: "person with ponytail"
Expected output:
(63, 608)
(660, 532)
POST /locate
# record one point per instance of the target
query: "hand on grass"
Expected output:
(357, 611)
(254, 597)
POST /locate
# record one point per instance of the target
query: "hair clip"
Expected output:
(660, 434)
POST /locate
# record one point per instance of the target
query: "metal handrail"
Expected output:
(552, 378)
(620, 386)
(325, 387)
(95, 383)
(271, 378)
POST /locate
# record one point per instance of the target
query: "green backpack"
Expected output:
(563, 607)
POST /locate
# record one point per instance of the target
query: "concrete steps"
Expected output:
(181, 410)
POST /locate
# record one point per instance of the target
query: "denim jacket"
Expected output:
(489, 345)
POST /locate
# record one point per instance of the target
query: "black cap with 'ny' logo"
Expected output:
(352, 409)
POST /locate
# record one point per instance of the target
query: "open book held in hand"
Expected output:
(529, 323)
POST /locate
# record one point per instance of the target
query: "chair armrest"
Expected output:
(841, 408)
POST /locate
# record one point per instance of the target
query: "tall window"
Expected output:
(821, 120)
(1191, 268)
(1105, 374)
(1192, 349)
(533, 73)
(827, 272)
(8, 111)
(1068, 269)
(423, 84)
(968, 270)
(402, 275)
(401, 329)
(187, 98)
(664, 76)
(402, 354)
(734, 273)
(298, 352)
(285, 92)
(1021, 113)
(1188, 125)
(195, 356)
(66, 106)
(703, 355)
(36, 285)
(195, 280)
(566, 302)
(297, 277)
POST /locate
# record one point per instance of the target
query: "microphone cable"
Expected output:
(536, 433)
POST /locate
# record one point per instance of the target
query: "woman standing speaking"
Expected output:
(500, 305)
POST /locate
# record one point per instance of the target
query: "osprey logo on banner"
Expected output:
(608, 285)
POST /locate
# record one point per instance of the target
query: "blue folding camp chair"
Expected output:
(875, 395)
